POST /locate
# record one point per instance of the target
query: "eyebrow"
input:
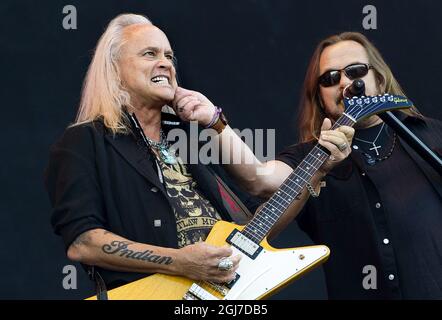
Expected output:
(156, 49)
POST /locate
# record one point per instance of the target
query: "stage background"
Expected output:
(248, 56)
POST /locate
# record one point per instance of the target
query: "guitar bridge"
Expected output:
(189, 296)
(221, 289)
(197, 292)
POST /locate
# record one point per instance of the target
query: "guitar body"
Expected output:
(260, 277)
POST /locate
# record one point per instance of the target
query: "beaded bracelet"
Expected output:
(215, 117)
(312, 191)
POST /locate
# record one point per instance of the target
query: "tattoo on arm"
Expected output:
(121, 248)
(82, 239)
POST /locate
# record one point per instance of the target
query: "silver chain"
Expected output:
(374, 141)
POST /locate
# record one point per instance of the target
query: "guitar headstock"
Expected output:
(364, 107)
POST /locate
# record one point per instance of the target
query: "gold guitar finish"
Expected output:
(166, 287)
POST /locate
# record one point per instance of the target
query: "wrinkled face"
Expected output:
(337, 57)
(146, 66)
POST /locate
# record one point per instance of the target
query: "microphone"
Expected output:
(357, 88)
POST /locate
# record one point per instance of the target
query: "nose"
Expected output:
(344, 81)
(165, 63)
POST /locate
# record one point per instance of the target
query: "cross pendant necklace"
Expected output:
(375, 148)
(373, 143)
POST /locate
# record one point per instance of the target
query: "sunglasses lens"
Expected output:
(356, 71)
(330, 78)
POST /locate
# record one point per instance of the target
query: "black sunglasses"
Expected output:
(352, 71)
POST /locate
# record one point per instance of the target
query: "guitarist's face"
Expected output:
(337, 57)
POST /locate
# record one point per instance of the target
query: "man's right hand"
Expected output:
(200, 261)
(193, 106)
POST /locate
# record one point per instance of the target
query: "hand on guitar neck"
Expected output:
(337, 142)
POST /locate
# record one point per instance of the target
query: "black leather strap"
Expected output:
(100, 285)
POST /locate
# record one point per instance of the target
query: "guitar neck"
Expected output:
(259, 227)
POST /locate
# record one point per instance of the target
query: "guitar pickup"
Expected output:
(244, 244)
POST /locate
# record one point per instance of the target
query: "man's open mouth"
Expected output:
(160, 80)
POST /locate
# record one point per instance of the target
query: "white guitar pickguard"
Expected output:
(270, 269)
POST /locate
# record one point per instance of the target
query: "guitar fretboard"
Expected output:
(258, 228)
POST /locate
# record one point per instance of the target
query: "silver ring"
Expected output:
(225, 264)
(342, 147)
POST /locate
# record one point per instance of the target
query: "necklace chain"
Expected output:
(377, 137)
(158, 144)
(162, 146)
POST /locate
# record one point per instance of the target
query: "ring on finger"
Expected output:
(342, 146)
(225, 264)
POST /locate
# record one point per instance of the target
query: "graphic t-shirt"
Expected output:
(195, 216)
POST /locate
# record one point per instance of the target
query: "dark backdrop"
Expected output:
(248, 56)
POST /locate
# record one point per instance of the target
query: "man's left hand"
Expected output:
(337, 142)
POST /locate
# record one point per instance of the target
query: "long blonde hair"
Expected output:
(102, 94)
(311, 114)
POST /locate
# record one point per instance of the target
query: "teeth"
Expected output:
(160, 79)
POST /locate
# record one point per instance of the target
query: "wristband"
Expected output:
(215, 117)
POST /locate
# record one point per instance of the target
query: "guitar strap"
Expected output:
(100, 286)
(240, 214)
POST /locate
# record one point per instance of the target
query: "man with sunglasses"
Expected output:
(379, 209)
(380, 212)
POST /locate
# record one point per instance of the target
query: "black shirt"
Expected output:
(411, 229)
(387, 216)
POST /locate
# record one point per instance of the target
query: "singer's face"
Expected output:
(146, 66)
(337, 57)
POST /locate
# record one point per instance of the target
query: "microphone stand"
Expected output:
(410, 138)
(357, 88)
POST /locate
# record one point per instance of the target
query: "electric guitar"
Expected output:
(263, 269)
